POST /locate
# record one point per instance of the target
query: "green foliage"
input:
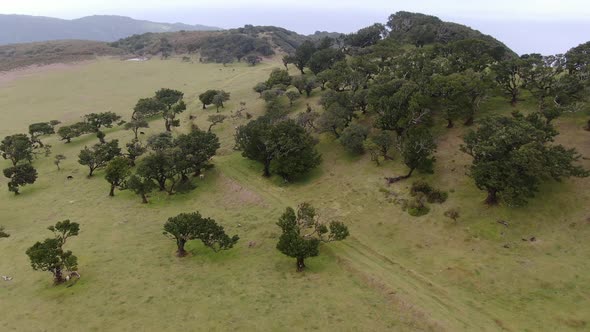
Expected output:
(352, 138)
(302, 233)
(135, 124)
(17, 148)
(452, 213)
(19, 176)
(278, 77)
(512, 156)
(292, 96)
(215, 119)
(417, 148)
(324, 59)
(284, 147)
(197, 147)
(140, 186)
(116, 171)
(192, 226)
(39, 129)
(99, 155)
(366, 37)
(260, 88)
(58, 159)
(302, 55)
(50, 255)
(147, 108)
(66, 133)
(433, 195)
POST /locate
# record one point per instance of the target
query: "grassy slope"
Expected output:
(395, 271)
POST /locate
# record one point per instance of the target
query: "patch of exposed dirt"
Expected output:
(238, 195)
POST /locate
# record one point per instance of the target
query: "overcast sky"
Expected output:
(543, 26)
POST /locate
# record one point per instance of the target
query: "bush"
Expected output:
(452, 214)
(416, 206)
(432, 195)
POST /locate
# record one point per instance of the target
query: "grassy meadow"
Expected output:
(395, 272)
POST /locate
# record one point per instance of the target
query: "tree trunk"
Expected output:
(469, 120)
(410, 173)
(181, 252)
(91, 171)
(492, 198)
(167, 124)
(300, 264)
(450, 123)
(144, 199)
(68, 140)
(16, 192)
(135, 130)
(267, 169)
(57, 276)
(197, 172)
(40, 143)
(514, 100)
(588, 125)
(112, 192)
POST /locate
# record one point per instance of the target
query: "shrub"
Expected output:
(432, 195)
(452, 214)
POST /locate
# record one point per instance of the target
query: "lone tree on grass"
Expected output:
(116, 172)
(17, 148)
(215, 119)
(140, 186)
(512, 156)
(49, 255)
(135, 124)
(58, 159)
(192, 226)
(39, 129)
(19, 176)
(417, 148)
(303, 232)
(66, 133)
(96, 121)
(99, 155)
(207, 97)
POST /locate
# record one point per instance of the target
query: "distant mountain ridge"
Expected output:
(25, 29)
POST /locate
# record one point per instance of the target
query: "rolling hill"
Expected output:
(25, 29)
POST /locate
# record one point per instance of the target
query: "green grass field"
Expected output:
(395, 272)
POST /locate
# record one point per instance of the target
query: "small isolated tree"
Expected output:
(135, 124)
(96, 121)
(278, 77)
(66, 133)
(352, 138)
(116, 172)
(172, 100)
(373, 149)
(206, 97)
(303, 232)
(99, 155)
(39, 129)
(17, 148)
(192, 226)
(140, 186)
(50, 255)
(58, 159)
(19, 176)
(215, 119)
(292, 96)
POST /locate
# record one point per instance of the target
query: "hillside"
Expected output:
(25, 29)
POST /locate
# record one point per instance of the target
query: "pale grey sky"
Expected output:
(544, 26)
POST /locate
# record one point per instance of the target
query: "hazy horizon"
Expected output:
(526, 27)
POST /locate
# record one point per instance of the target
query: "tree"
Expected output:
(17, 148)
(99, 155)
(116, 171)
(147, 108)
(220, 98)
(417, 148)
(578, 61)
(302, 55)
(172, 100)
(161, 167)
(384, 140)
(253, 59)
(507, 77)
(134, 150)
(135, 124)
(324, 59)
(197, 147)
(366, 37)
(215, 119)
(260, 88)
(352, 138)
(207, 97)
(140, 186)
(58, 159)
(278, 77)
(95, 121)
(66, 133)
(39, 129)
(539, 74)
(192, 226)
(284, 147)
(50, 255)
(303, 232)
(292, 96)
(512, 156)
(19, 176)
(170, 115)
